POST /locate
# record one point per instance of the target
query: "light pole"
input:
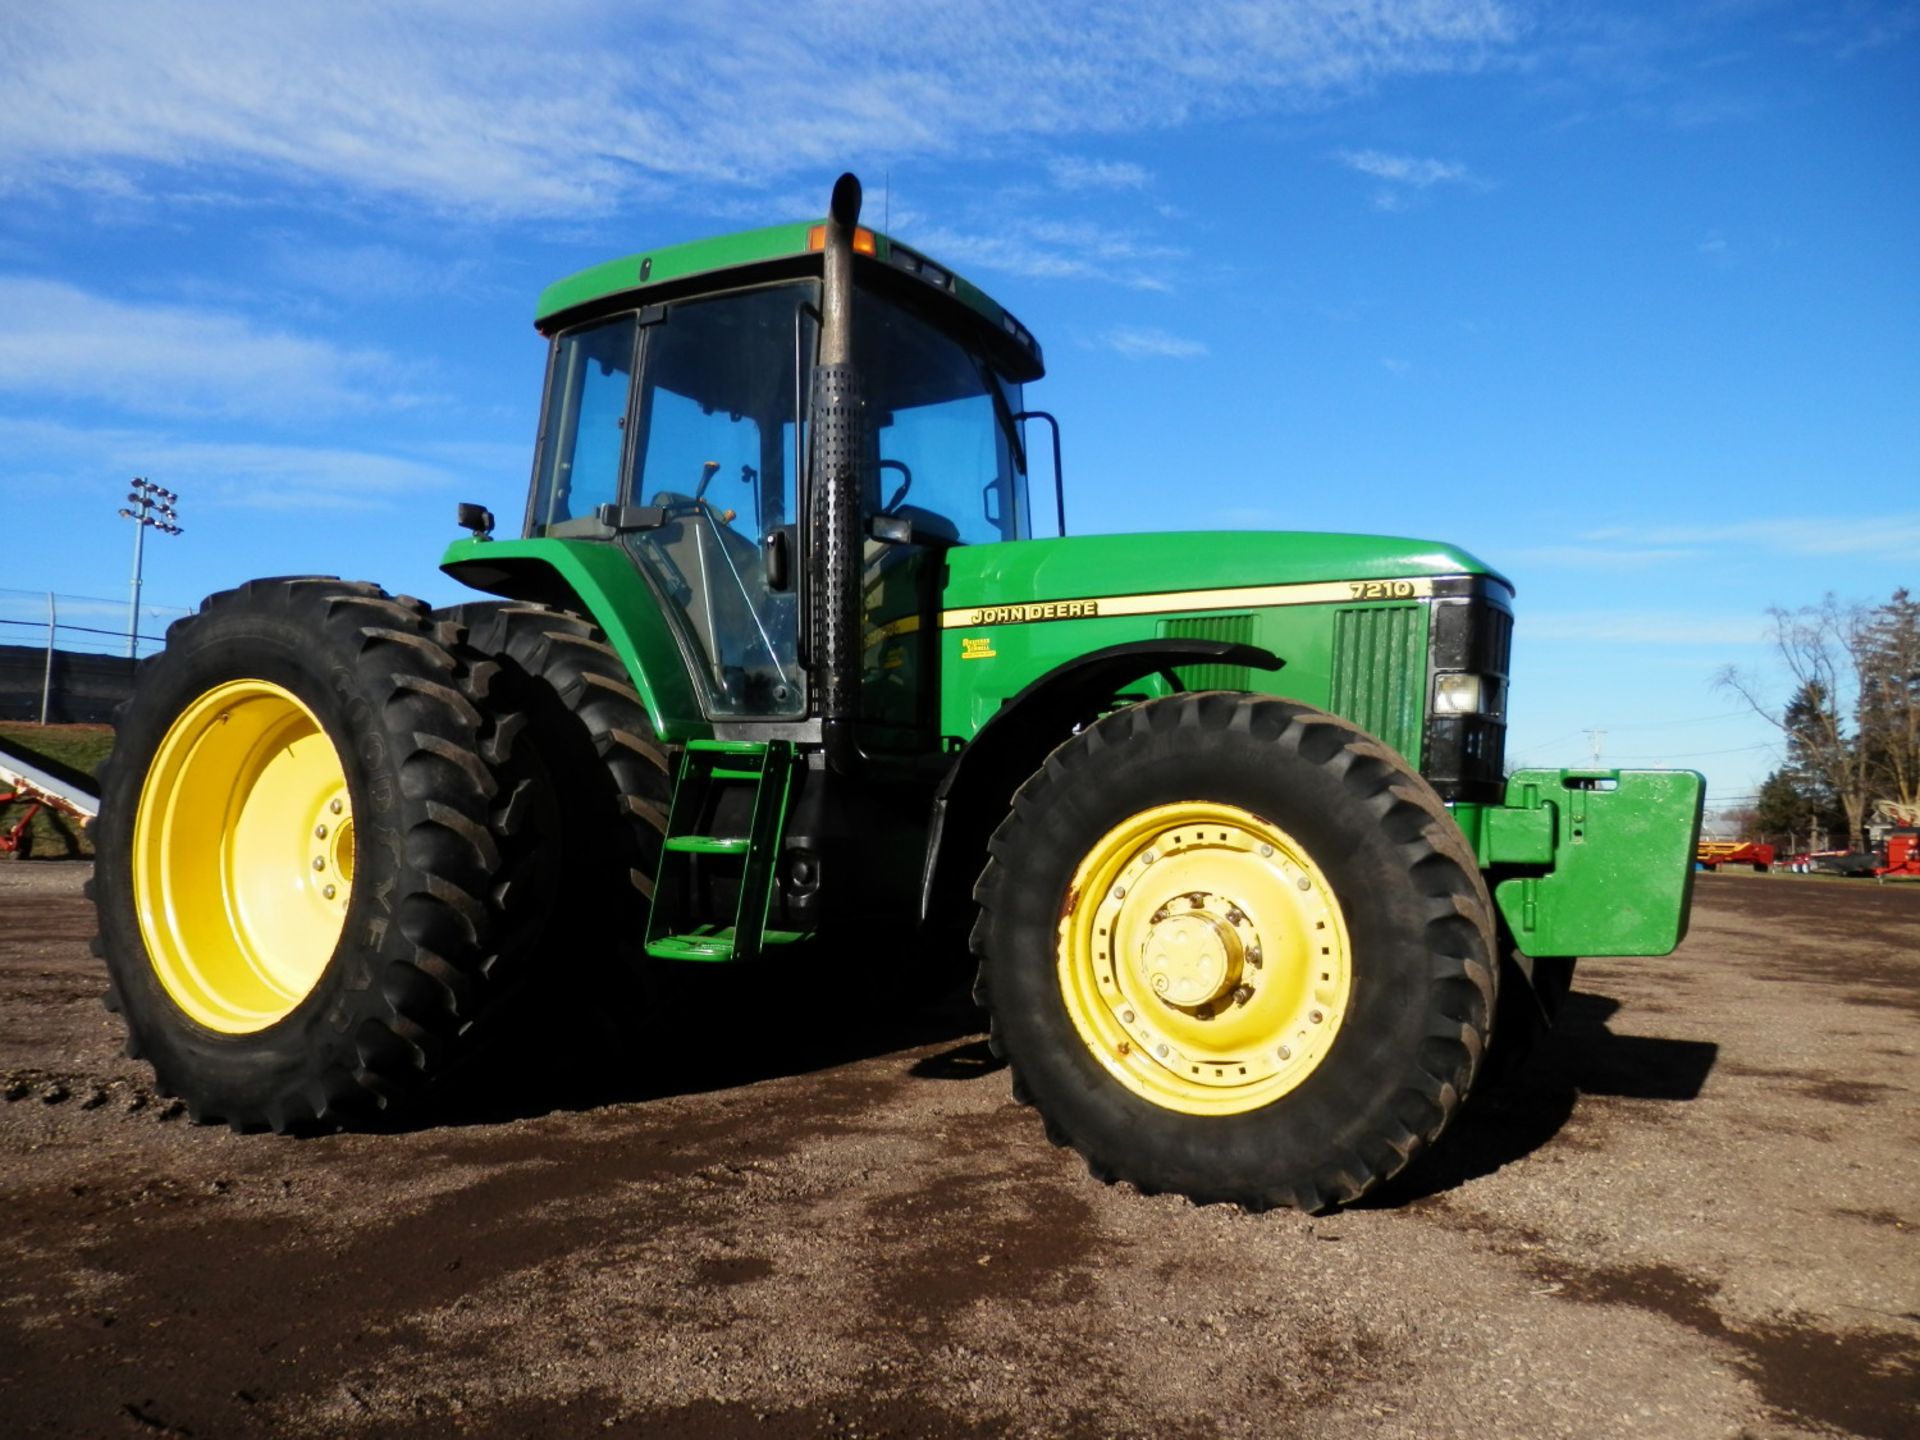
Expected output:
(153, 505)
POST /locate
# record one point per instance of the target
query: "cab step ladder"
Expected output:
(706, 768)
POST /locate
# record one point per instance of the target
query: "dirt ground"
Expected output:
(1696, 1214)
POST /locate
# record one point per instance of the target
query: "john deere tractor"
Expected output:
(781, 674)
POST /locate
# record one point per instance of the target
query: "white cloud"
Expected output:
(245, 475)
(1404, 169)
(1875, 536)
(1144, 342)
(59, 340)
(369, 272)
(1070, 172)
(502, 109)
(1594, 557)
(1056, 250)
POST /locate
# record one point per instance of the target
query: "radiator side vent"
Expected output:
(1380, 672)
(1233, 629)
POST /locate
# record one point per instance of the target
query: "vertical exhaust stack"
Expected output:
(838, 426)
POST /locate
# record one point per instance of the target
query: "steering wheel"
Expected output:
(906, 484)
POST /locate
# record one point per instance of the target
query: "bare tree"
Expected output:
(1890, 700)
(1826, 649)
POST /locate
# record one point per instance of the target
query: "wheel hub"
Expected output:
(1211, 970)
(1193, 960)
(330, 855)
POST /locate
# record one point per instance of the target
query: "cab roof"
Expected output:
(775, 250)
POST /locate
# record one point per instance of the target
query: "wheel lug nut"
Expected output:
(1266, 852)
(1127, 1015)
(1242, 994)
(1304, 883)
(1161, 1051)
(319, 832)
(1285, 1053)
(328, 892)
(1148, 858)
(1316, 1017)
(1119, 892)
(318, 863)
(335, 806)
(1235, 917)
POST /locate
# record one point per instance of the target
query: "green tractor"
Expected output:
(781, 675)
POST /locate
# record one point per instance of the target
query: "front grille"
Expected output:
(1379, 671)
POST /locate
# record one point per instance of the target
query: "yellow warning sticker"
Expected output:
(977, 647)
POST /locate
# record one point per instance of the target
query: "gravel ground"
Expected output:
(1693, 1215)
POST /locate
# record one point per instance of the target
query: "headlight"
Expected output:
(1457, 695)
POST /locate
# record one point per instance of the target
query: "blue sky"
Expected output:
(1623, 299)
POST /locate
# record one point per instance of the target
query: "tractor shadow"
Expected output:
(694, 1029)
(1523, 1109)
(714, 1028)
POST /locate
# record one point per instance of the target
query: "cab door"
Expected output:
(945, 470)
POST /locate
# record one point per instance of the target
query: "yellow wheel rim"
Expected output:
(1203, 958)
(243, 856)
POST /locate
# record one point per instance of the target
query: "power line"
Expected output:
(1637, 725)
(1698, 754)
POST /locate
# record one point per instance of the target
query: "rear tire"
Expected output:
(611, 776)
(1235, 949)
(309, 881)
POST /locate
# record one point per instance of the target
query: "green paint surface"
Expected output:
(1606, 856)
(717, 255)
(1082, 565)
(613, 591)
(672, 262)
(1365, 660)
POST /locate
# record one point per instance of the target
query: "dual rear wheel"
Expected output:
(318, 860)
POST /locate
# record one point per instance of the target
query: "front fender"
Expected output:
(601, 581)
(979, 786)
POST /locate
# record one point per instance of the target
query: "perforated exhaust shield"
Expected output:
(839, 449)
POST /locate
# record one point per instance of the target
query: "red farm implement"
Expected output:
(26, 785)
(1903, 856)
(1712, 854)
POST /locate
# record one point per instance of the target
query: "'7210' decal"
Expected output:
(1383, 589)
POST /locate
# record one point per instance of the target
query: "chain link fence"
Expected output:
(68, 659)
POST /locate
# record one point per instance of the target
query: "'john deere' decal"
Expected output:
(1319, 592)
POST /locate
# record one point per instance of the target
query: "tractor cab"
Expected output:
(676, 427)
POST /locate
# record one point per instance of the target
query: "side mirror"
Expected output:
(476, 518)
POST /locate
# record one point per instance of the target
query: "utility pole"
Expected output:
(153, 505)
(1594, 738)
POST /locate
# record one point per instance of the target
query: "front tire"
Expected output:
(1235, 948)
(308, 882)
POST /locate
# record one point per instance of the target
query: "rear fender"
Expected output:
(600, 581)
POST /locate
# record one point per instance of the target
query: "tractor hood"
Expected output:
(1085, 567)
